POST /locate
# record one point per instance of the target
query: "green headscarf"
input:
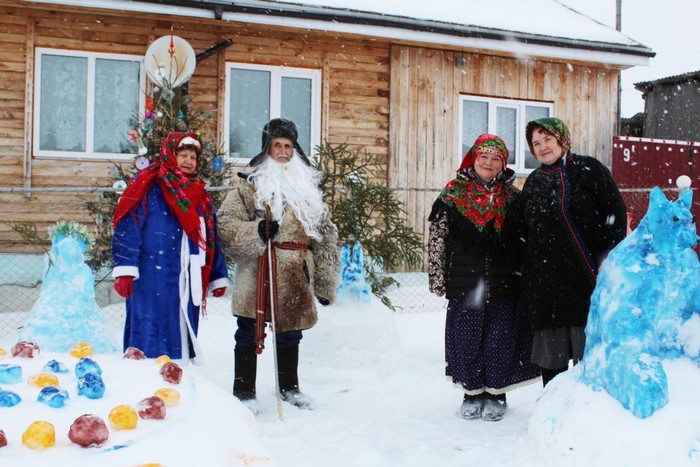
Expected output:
(554, 126)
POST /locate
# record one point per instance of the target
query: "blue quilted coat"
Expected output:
(162, 316)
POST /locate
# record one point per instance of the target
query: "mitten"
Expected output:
(124, 286)
(273, 229)
(219, 292)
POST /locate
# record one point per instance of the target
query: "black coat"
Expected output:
(469, 263)
(563, 248)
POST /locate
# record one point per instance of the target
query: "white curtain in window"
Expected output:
(116, 104)
(63, 100)
(506, 127)
(533, 113)
(296, 106)
(475, 122)
(249, 111)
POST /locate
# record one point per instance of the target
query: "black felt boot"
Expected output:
(287, 364)
(245, 369)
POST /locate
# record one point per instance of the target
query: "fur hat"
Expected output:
(279, 128)
(551, 125)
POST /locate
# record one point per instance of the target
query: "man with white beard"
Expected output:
(305, 262)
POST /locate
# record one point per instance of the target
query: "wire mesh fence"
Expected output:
(21, 279)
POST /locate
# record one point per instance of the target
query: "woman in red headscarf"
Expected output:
(166, 252)
(471, 265)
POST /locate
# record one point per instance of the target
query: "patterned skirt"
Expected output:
(486, 348)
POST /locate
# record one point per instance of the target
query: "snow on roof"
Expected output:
(535, 27)
(675, 79)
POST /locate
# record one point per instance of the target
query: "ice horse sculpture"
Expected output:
(66, 312)
(645, 308)
(352, 275)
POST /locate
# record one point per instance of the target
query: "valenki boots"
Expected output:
(471, 406)
(494, 407)
(245, 369)
(287, 364)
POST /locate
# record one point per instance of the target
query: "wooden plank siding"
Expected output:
(355, 92)
(425, 89)
(393, 98)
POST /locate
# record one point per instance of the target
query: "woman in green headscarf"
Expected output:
(570, 215)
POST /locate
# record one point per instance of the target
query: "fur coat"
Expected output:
(301, 275)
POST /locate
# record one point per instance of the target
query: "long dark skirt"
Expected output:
(485, 348)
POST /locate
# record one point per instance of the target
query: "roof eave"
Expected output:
(390, 27)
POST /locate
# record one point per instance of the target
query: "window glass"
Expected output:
(506, 118)
(475, 121)
(506, 128)
(296, 106)
(533, 113)
(249, 109)
(116, 104)
(63, 99)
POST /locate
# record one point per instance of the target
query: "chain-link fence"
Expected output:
(21, 279)
(637, 202)
(21, 282)
(21, 273)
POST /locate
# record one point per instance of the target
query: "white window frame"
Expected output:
(520, 140)
(89, 153)
(276, 75)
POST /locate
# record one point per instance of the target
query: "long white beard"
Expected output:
(293, 183)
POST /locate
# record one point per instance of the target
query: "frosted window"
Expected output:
(533, 113)
(506, 128)
(116, 104)
(249, 109)
(296, 106)
(63, 99)
(475, 122)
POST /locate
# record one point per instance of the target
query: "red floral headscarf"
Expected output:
(477, 202)
(184, 194)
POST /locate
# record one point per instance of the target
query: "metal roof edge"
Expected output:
(375, 24)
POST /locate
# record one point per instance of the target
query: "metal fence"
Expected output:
(21, 285)
(21, 280)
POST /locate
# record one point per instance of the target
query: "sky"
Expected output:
(668, 27)
(382, 400)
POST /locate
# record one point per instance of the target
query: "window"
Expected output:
(255, 94)
(85, 103)
(506, 118)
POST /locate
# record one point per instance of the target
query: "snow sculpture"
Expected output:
(352, 275)
(66, 312)
(645, 308)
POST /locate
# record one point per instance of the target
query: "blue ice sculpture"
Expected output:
(353, 286)
(646, 300)
(66, 312)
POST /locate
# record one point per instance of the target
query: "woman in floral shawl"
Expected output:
(470, 265)
(166, 252)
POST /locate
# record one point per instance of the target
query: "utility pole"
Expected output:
(618, 27)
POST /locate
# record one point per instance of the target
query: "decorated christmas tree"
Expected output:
(169, 63)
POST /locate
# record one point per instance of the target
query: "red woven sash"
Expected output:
(262, 298)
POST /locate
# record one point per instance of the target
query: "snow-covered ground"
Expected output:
(382, 400)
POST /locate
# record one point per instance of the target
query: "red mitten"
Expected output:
(124, 286)
(219, 292)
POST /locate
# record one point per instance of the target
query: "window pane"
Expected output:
(249, 110)
(62, 103)
(506, 127)
(116, 104)
(296, 106)
(533, 113)
(475, 121)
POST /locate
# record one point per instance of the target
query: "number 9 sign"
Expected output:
(626, 154)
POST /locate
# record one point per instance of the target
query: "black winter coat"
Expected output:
(466, 263)
(563, 247)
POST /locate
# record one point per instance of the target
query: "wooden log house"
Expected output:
(412, 90)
